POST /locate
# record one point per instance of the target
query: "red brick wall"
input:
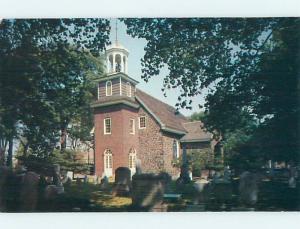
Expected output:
(119, 141)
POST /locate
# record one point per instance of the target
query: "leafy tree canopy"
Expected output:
(46, 71)
(249, 66)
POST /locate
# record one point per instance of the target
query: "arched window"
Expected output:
(175, 149)
(118, 63)
(124, 63)
(108, 88)
(108, 159)
(128, 89)
(132, 158)
(111, 63)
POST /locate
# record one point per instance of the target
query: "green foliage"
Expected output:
(197, 116)
(250, 67)
(197, 160)
(44, 165)
(47, 69)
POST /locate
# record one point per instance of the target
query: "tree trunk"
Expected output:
(3, 144)
(26, 146)
(9, 161)
(63, 138)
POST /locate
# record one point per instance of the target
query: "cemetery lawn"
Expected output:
(87, 197)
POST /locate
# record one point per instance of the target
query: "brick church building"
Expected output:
(131, 125)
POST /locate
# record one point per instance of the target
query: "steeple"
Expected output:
(117, 56)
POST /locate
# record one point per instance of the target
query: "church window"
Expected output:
(142, 122)
(107, 126)
(132, 126)
(175, 149)
(108, 159)
(132, 158)
(108, 88)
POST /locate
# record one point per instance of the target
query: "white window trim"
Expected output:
(178, 148)
(99, 91)
(108, 94)
(120, 86)
(140, 122)
(132, 125)
(104, 126)
(128, 89)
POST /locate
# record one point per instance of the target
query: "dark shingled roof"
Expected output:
(164, 112)
(195, 132)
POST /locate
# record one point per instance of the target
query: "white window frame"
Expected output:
(132, 159)
(104, 125)
(108, 93)
(99, 91)
(132, 131)
(140, 122)
(128, 89)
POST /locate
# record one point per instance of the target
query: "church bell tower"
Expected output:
(115, 114)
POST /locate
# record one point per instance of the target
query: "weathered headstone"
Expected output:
(248, 188)
(148, 192)
(122, 183)
(57, 179)
(138, 166)
(104, 183)
(227, 173)
(200, 188)
(4, 174)
(29, 192)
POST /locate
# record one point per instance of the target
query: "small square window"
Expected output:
(107, 126)
(131, 126)
(142, 122)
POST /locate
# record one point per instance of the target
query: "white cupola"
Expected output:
(117, 59)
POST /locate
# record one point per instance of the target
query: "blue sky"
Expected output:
(153, 87)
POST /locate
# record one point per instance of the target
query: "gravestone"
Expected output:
(122, 183)
(4, 174)
(57, 179)
(138, 166)
(50, 192)
(104, 183)
(148, 192)
(200, 187)
(29, 192)
(227, 173)
(248, 188)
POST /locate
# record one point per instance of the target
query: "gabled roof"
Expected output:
(195, 132)
(166, 115)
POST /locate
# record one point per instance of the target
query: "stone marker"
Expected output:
(104, 183)
(57, 180)
(122, 183)
(29, 192)
(148, 192)
(227, 173)
(138, 166)
(4, 174)
(248, 188)
(200, 187)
